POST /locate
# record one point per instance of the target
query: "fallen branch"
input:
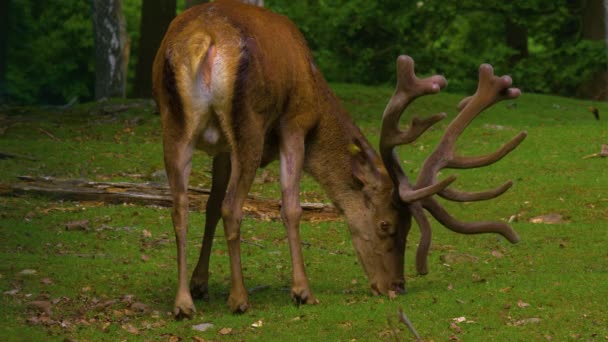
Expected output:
(403, 318)
(150, 194)
(603, 153)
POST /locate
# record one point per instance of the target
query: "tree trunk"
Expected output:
(111, 48)
(517, 39)
(190, 3)
(156, 15)
(594, 28)
(4, 18)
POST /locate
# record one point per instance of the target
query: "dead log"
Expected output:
(149, 194)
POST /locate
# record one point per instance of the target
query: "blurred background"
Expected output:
(60, 52)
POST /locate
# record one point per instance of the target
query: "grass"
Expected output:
(553, 285)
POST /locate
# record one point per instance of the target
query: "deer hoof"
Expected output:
(199, 291)
(238, 306)
(184, 311)
(303, 297)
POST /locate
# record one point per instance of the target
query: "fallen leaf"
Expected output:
(522, 304)
(225, 331)
(258, 324)
(552, 218)
(198, 339)
(145, 257)
(202, 326)
(42, 306)
(455, 327)
(11, 292)
(77, 225)
(392, 294)
(130, 328)
(46, 281)
(497, 254)
(28, 272)
(459, 319)
(532, 320)
(147, 233)
(140, 307)
(174, 338)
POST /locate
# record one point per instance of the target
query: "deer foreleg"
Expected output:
(221, 174)
(291, 163)
(178, 163)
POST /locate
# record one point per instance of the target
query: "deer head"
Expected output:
(414, 198)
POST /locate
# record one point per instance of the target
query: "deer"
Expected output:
(239, 83)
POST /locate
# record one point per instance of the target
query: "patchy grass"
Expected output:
(114, 277)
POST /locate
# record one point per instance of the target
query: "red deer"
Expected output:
(239, 82)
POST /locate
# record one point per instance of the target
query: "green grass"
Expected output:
(553, 285)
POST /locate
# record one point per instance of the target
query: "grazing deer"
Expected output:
(239, 82)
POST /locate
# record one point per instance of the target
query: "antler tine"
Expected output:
(409, 87)
(490, 90)
(441, 215)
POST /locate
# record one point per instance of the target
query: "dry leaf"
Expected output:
(130, 328)
(28, 272)
(455, 327)
(225, 331)
(459, 319)
(258, 324)
(552, 218)
(532, 320)
(11, 292)
(497, 254)
(198, 339)
(174, 338)
(140, 307)
(145, 257)
(77, 225)
(522, 304)
(202, 327)
(42, 306)
(147, 233)
(392, 294)
(46, 281)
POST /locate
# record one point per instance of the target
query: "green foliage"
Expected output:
(50, 51)
(50, 55)
(358, 40)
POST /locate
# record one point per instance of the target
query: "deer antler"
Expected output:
(419, 196)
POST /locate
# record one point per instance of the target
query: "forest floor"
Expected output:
(90, 270)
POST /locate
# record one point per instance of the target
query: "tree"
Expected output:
(4, 17)
(594, 24)
(111, 48)
(156, 15)
(190, 3)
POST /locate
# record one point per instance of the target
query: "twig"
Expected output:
(48, 133)
(403, 318)
(4, 155)
(603, 153)
(252, 243)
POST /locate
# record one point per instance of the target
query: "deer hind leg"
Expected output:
(221, 174)
(244, 160)
(178, 164)
(291, 163)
